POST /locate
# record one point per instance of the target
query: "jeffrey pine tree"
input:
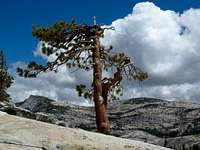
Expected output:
(5, 79)
(78, 45)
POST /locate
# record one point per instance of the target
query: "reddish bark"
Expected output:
(100, 107)
(108, 83)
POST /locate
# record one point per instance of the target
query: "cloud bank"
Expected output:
(166, 44)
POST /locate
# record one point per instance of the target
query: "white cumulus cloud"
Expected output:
(164, 43)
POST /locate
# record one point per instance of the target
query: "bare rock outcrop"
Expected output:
(171, 124)
(24, 134)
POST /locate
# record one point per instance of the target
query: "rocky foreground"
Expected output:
(18, 133)
(170, 124)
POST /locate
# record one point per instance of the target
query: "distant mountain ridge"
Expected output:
(170, 124)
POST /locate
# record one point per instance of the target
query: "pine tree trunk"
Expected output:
(100, 107)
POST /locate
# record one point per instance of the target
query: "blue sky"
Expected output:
(146, 31)
(17, 17)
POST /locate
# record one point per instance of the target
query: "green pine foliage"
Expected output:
(77, 42)
(5, 82)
